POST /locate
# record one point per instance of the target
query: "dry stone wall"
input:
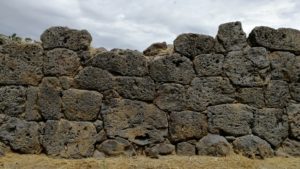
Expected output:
(202, 95)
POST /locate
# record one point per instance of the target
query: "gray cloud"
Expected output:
(136, 24)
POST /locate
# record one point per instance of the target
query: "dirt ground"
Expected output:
(17, 161)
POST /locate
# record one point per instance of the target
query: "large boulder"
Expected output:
(116, 147)
(21, 64)
(69, 139)
(284, 39)
(32, 110)
(271, 125)
(192, 44)
(172, 68)
(185, 148)
(159, 48)
(213, 145)
(248, 68)
(293, 112)
(231, 119)
(232, 36)
(252, 147)
(20, 135)
(81, 105)
(123, 62)
(160, 149)
(140, 88)
(295, 91)
(209, 64)
(277, 94)
(187, 125)
(139, 122)
(290, 147)
(252, 96)
(60, 62)
(12, 100)
(64, 37)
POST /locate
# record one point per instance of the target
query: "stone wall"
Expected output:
(202, 95)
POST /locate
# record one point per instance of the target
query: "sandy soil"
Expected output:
(17, 161)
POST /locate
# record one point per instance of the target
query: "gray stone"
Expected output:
(94, 79)
(32, 112)
(191, 44)
(81, 105)
(213, 145)
(186, 149)
(60, 62)
(209, 64)
(49, 100)
(155, 49)
(252, 147)
(172, 68)
(116, 147)
(271, 125)
(67, 82)
(21, 64)
(251, 96)
(231, 119)
(163, 149)
(232, 36)
(123, 62)
(187, 125)
(21, 136)
(140, 88)
(137, 121)
(69, 139)
(98, 155)
(295, 91)
(295, 77)
(285, 39)
(293, 112)
(63, 37)
(12, 100)
(291, 147)
(247, 68)
(277, 94)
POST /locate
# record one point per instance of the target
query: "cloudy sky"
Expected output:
(135, 24)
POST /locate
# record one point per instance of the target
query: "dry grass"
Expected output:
(16, 161)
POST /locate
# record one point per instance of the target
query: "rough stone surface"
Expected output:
(116, 147)
(64, 37)
(271, 125)
(139, 122)
(209, 64)
(232, 36)
(191, 44)
(187, 125)
(251, 96)
(230, 119)
(277, 94)
(291, 147)
(295, 91)
(253, 147)
(123, 62)
(172, 68)
(161, 149)
(247, 68)
(69, 139)
(59, 62)
(213, 145)
(284, 39)
(21, 64)
(185, 148)
(293, 112)
(81, 105)
(12, 100)
(140, 88)
(94, 79)
(155, 49)
(32, 112)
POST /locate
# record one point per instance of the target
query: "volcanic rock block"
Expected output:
(21, 64)
(141, 88)
(209, 64)
(247, 68)
(187, 125)
(277, 94)
(293, 112)
(160, 149)
(155, 49)
(94, 79)
(271, 125)
(69, 139)
(63, 37)
(213, 145)
(291, 147)
(172, 68)
(12, 100)
(252, 147)
(139, 122)
(232, 36)
(191, 44)
(295, 91)
(59, 62)
(232, 119)
(49, 100)
(251, 96)
(116, 147)
(185, 148)
(296, 70)
(123, 62)
(20, 135)
(81, 105)
(32, 112)
(284, 39)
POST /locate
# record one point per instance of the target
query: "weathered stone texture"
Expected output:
(12, 100)
(185, 148)
(277, 94)
(293, 112)
(213, 145)
(116, 147)
(251, 96)
(209, 64)
(291, 147)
